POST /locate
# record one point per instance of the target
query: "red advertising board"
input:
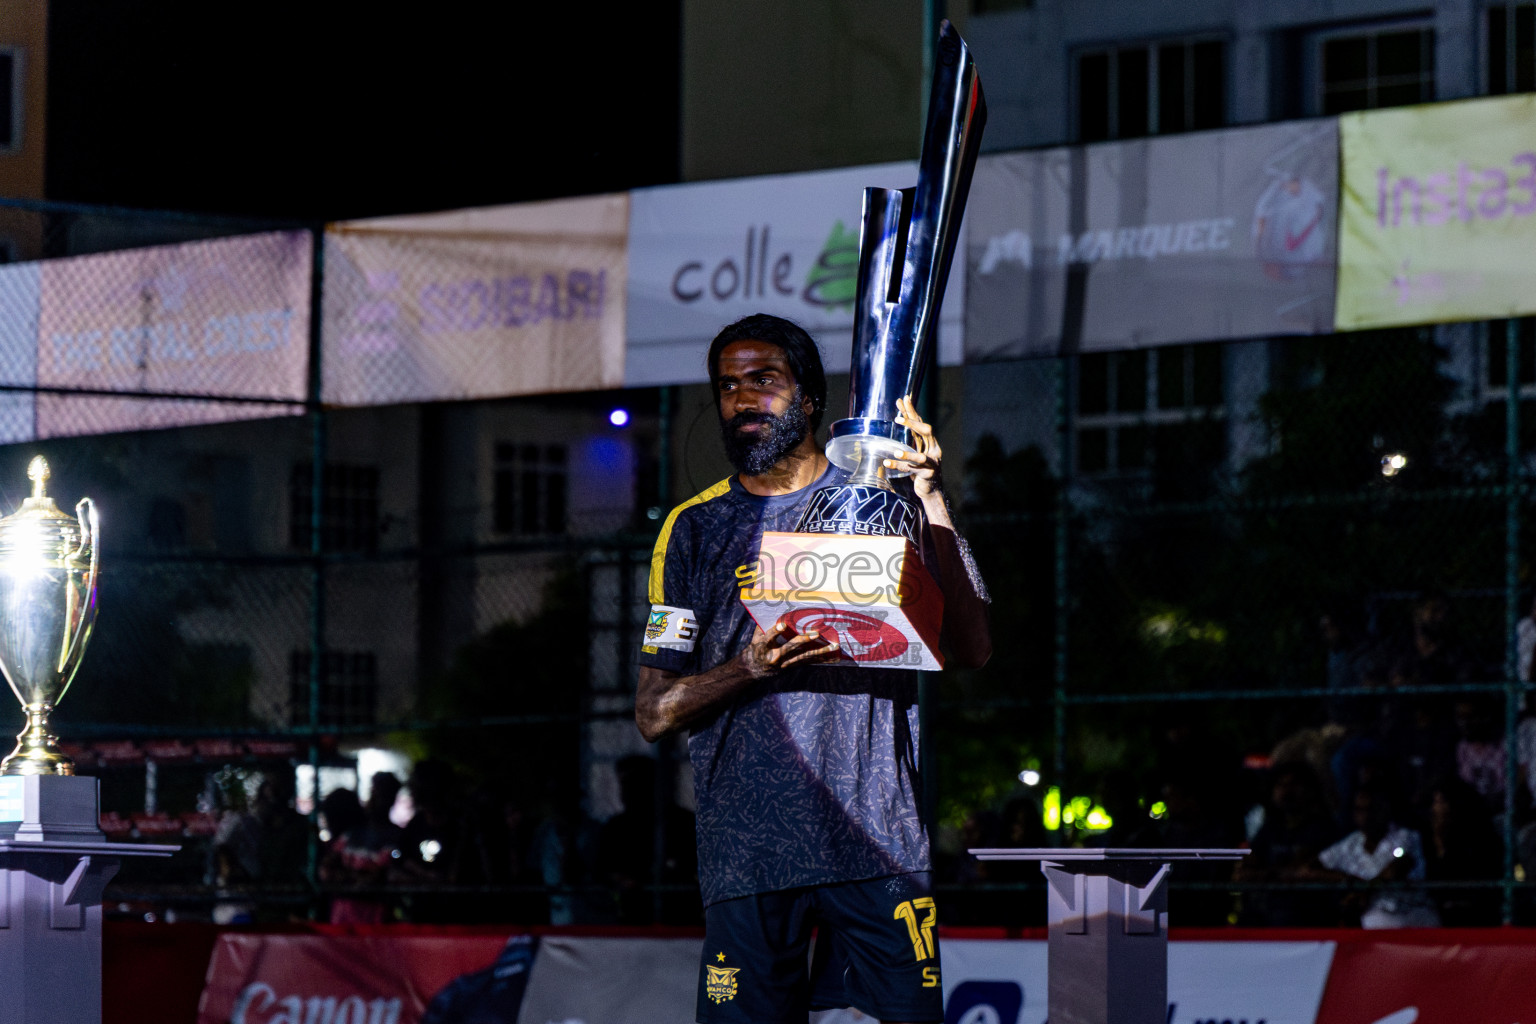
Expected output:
(340, 979)
(1438, 976)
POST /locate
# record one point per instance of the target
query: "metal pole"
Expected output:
(316, 549)
(1512, 612)
(1062, 542)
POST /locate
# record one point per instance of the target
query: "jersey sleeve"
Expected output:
(672, 626)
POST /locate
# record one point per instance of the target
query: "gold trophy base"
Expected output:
(37, 749)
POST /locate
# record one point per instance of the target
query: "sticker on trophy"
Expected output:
(859, 636)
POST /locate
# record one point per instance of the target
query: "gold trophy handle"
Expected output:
(85, 512)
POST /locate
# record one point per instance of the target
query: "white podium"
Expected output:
(54, 864)
(1107, 915)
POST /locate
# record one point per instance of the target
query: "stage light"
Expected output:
(1393, 463)
(1052, 809)
(1029, 777)
(1158, 810)
(619, 417)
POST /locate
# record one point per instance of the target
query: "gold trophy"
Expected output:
(48, 575)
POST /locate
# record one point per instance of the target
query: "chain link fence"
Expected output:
(1266, 592)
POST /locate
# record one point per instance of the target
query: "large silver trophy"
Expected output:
(905, 249)
(48, 573)
(851, 571)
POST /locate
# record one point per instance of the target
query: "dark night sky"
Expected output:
(321, 110)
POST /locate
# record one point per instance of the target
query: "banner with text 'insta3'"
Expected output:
(1121, 245)
(480, 303)
(227, 319)
(704, 255)
(1439, 213)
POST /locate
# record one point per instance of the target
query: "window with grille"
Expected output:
(1370, 67)
(10, 99)
(349, 507)
(1511, 63)
(1133, 405)
(1125, 92)
(349, 688)
(530, 489)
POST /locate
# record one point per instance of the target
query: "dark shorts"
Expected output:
(877, 950)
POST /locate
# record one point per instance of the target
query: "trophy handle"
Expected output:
(85, 512)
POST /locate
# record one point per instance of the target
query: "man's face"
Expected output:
(763, 416)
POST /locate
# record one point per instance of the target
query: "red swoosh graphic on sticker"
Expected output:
(1292, 241)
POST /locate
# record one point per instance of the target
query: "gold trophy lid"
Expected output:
(39, 527)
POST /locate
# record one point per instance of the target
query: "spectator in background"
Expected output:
(1418, 736)
(1481, 760)
(1297, 827)
(364, 857)
(264, 845)
(1346, 660)
(1461, 845)
(627, 850)
(340, 813)
(1434, 652)
(1525, 638)
(1379, 850)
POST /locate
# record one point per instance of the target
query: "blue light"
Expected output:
(619, 417)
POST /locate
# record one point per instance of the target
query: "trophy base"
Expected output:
(861, 510)
(37, 749)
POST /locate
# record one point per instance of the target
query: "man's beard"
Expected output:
(756, 453)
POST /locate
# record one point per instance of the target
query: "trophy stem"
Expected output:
(870, 471)
(37, 751)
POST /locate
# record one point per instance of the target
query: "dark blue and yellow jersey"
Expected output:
(810, 778)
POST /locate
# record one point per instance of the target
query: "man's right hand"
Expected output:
(771, 653)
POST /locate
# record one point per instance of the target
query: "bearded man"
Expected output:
(805, 773)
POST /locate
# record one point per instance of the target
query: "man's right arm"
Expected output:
(667, 701)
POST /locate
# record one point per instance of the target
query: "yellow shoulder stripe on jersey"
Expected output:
(659, 553)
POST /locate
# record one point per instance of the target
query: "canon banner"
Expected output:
(1122, 245)
(704, 255)
(479, 303)
(337, 979)
(1439, 213)
(227, 318)
(393, 975)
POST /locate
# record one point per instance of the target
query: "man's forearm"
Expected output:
(967, 637)
(666, 702)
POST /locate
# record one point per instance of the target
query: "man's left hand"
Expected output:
(924, 465)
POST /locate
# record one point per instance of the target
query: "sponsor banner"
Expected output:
(226, 318)
(476, 303)
(1208, 982)
(336, 979)
(704, 255)
(1432, 979)
(20, 288)
(1123, 245)
(392, 975)
(1439, 213)
(613, 981)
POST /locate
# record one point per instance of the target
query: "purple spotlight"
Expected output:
(619, 417)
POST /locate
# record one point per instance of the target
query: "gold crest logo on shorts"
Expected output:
(720, 982)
